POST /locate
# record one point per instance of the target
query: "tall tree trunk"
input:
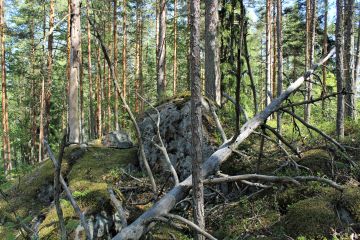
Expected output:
(339, 43)
(49, 72)
(310, 46)
(4, 102)
(357, 56)
(268, 90)
(161, 77)
(42, 97)
(34, 95)
(137, 56)
(91, 102)
(175, 50)
(279, 58)
(116, 102)
(212, 64)
(98, 95)
(196, 115)
(141, 77)
(325, 50)
(74, 128)
(348, 59)
(124, 63)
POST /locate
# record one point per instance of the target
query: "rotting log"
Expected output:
(212, 164)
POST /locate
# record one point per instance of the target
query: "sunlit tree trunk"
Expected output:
(116, 102)
(325, 50)
(98, 95)
(91, 102)
(4, 102)
(348, 59)
(212, 63)
(279, 58)
(310, 47)
(196, 117)
(268, 75)
(339, 43)
(175, 50)
(42, 97)
(49, 72)
(34, 96)
(124, 63)
(74, 128)
(137, 56)
(161, 75)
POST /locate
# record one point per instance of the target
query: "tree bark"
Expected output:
(339, 43)
(325, 50)
(49, 72)
(137, 56)
(175, 50)
(4, 102)
(279, 58)
(98, 96)
(161, 75)
(124, 51)
(212, 62)
(116, 102)
(310, 47)
(212, 164)
(91, 102)
(268, 81)
(74, 128)
(196, 116)
(348, 59)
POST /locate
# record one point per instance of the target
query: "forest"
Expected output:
(180, 119)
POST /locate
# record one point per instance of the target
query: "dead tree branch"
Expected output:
(228, 97)
(176, 194)
(126, 106)
(161, 147)
(119, 207)
(311, 100)
(327, 137)
(68, 193)
(190, 224)
(210, 106)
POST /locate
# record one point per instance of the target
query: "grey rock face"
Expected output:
(175, 129)
(117, 139)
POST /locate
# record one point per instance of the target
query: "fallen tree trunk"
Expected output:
(212, 164)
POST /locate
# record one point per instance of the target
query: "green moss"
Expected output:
(317, 160)
(350, 200)
(312, 218)
(245, 217)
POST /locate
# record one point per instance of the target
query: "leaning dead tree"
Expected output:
(212, 164)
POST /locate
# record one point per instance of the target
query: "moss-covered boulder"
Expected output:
(313, 218)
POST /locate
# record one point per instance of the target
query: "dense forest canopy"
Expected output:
(258, 82)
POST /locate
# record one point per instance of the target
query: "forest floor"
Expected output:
(233, 211)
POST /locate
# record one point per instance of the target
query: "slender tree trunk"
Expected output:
(34, 96)
(98, 95)
(91, 102)
(49, 72)
(175, 50)
(137, 56)
(161, 75)
(325, 50)
(357, 56)
(348, 58)
(212, 64)
(124, 63)
(268, 53)
(310, 46)
(116, 102)
(4, 102)
(68, 45)
(196, 117)
(74, 128)
(339, 43)
(279, 58)
(141, 77)
(42, 98)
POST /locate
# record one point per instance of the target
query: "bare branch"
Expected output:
(210, 106)
(118, 207)
(190, 224)
(162, 147)
(68, 193)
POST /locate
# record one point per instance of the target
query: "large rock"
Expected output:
(117, 139)
(175, 129)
